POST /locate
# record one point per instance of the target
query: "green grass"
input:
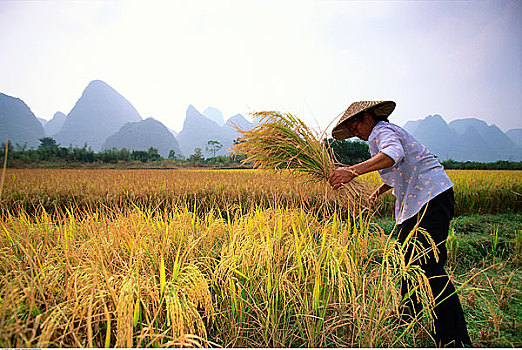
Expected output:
(495, 303)
(492, 301)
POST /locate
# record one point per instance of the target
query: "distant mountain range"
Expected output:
(102, 118)
(516, 136)
(18, 123)
(54, 125)
(466, 139)
(100, 112)
(199, 129)
(142, 135)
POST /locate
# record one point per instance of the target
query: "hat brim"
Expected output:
(381, 109)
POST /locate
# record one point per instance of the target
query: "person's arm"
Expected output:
(347, 174)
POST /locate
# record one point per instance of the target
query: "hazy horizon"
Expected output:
(458, 59)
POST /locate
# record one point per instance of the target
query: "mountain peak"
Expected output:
(460, 125)
(18, 123)
(100, 112)
(58, 114)
(143, 134)
(435, 118)
(195, 119)
(198, 130)
(464, 139)
(54, 125)
(214, 114)
(494, 138)
(97, 82)
(239, 121)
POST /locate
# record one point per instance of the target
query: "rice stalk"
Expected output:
(4, 168)
(283, 141)
(109, 330)
(277, 277)
(184, 296)
(125, 312)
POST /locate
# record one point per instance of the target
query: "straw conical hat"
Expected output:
(380, 109)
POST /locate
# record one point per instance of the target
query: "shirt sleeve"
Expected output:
(388, 142)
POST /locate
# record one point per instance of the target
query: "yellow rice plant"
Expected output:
(94, 280)
(4, 168)
(283, 141)
(224, 190)
(202, 190)
(487, 191)
(476, 191)
(272, 277)
(288, 279)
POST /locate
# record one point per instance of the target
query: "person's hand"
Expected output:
(341, 176)
(373, 198)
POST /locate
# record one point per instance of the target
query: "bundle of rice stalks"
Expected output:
(283, 141)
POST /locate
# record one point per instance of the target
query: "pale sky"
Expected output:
(311, 58)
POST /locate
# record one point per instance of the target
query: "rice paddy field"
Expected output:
(239, 258)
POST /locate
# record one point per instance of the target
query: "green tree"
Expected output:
(174, 155)
(142, 156)
(48, 148)
(197, 156)
(108, 155)
(153, 154)
(20, 148)
(84, 154)
(124, 154)
(47, 143)
(213, 146)
(349, 152)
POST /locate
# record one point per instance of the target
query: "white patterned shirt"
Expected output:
(416, 175)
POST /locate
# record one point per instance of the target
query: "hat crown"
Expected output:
(379, 109)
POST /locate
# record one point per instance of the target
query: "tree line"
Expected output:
(345, 151)
(498, 165)
(51, 152)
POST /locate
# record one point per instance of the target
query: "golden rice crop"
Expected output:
(195, 258)
(86, 279)
(487, 191)
(164, 189)
(476, 191)
(283, 141)
(270, 278)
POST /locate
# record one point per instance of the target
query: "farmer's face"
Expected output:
(362, 128)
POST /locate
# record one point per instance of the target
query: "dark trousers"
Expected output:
(450, 326)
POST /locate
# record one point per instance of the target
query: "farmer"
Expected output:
(424, 194)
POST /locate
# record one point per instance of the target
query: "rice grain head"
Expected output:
(125, 313)
(184, 297)
(283, 141)
(49, 326)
